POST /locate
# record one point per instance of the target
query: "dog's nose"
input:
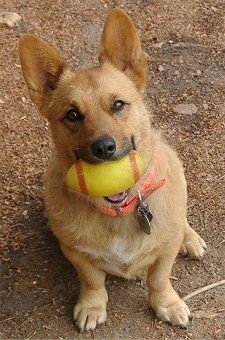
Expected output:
(104, 147)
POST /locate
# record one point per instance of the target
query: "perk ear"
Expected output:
(121, 46)
(41, 66)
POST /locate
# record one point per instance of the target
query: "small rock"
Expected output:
(24, 213)
(161, 68)
(214, 9)
(185, 109)
(205, 106)
(24, 99)
(198, 73)
(9, 18)
(158, 45)
(176, 73)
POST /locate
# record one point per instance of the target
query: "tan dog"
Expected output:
(98, 115)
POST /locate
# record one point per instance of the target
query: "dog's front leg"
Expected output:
(166, 303)
(90, 309)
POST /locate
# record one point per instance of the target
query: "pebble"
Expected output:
(9, 19)
(24, 213)
(24, 99)
(161, 68)
(159, 44)
(185, 109)
(176, 73)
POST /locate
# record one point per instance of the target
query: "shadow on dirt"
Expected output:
(34, 273)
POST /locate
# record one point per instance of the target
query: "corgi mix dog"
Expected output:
(98, 115)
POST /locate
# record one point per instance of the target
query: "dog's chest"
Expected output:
(120, 257)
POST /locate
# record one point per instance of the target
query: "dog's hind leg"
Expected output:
(193, 245)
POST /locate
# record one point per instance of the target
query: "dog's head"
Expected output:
(96, 114)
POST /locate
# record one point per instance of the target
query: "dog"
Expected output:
(98, 115)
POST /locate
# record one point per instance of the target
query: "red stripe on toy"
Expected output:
(134, 166)
(81, 178)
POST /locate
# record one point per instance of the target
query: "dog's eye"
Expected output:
(118, 105)
(73, 116)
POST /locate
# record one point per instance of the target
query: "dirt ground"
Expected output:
(186, 47)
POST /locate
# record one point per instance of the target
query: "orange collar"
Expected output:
(133, 202)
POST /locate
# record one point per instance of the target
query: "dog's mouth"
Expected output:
(119, 198)
(84, 154)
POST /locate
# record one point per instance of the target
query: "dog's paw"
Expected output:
(88, 317)
(193, 245)
(176, 314)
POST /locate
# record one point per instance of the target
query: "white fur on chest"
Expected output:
(116, 254)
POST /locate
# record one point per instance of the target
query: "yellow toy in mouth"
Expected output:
(108, 178)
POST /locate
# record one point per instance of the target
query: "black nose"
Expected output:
(104, 147)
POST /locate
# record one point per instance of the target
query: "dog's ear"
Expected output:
(41, 66)
(121, 46)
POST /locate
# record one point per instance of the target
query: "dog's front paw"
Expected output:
(88, 317)
(193, 245)
(90, 310)
(176, 314)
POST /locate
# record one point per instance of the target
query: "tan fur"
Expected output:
(95, 243)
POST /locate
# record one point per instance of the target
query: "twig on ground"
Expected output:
(30, 335)
(10, 318)
(220, 243)
(203, 289)
(185, 45)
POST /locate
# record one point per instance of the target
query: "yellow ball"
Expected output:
(108, 178)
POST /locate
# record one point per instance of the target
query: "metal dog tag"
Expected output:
(144, 216)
